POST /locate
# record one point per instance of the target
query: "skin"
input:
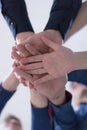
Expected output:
(36, 47)
(10, 83)
(53, 65)
(12, 124)
(34, 40)
(49, 64)
(43, 89)
(81, 97)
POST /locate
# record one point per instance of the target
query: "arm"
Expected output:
(82, 111)
(81, 58)
(79, 22)
(15, 13)
(79, 101)
(62, 14)
(52, 89)
(7, 89)
(39, 110)
(64, 115)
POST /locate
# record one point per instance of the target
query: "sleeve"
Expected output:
(64, 116)
(82, 111)
(4, 97)
(15, 13)
(79, 76)
(62, 14)
(40, 119)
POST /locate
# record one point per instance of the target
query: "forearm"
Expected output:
(22, 36)
(61, 15)
(17, 20)
(40, 119)
(80, 21)
(81, 60)
(82, 111)
(59, 100)
(4, 97)
(39, 112)
(64, 114)
(38, 100)
(10, 83)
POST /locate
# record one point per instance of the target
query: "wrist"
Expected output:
(20, 37)
(66, 97)
(59, 100)
(54, 35)
(38, 100)
(10, 83)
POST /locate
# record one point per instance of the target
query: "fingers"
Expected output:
(23, 74)
(15, 64)
(23, 81)
(31, 66)
(49, 43)
(31, 49)
(22, 50)
(15, 56)
(14, 48)
(38, 71)
(43, 79)
(32, 59)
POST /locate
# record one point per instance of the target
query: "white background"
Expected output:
(38, 12)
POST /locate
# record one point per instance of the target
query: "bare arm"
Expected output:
(10, 83)
(81, 58)
(80, 21)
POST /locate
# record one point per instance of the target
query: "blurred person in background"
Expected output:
(11, 122)
(79, 92)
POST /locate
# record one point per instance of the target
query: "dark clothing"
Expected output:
(79, 76)
(15, 13)
(4, 97)
(64, 116)
(40, 118)
(62, 14)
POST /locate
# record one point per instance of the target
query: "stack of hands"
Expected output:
(41, 57)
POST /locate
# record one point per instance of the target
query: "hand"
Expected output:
(21, 37)
(54, 89)
(35, 41)
(55, 64)
(35, 44)
(21, 79)
(20, 40)
(79, 98)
